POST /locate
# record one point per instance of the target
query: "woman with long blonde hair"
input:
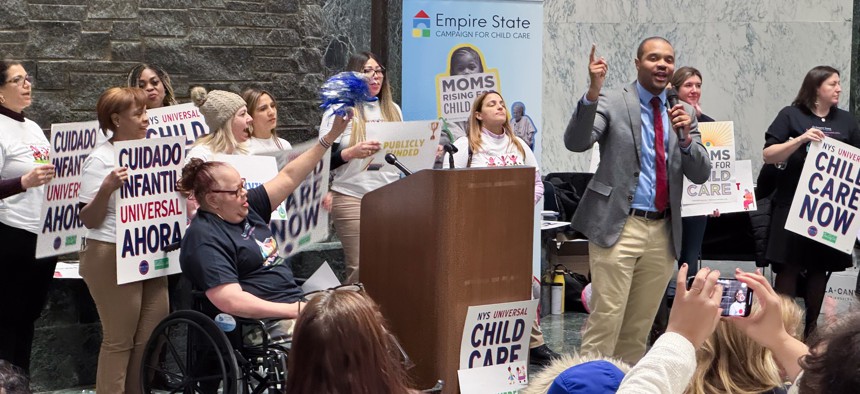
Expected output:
(730, 362)
(351, 180)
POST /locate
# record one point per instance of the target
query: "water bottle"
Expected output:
(557, 304)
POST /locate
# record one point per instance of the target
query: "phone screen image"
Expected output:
(736, 299)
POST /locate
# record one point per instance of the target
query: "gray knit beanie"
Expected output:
(217, 106)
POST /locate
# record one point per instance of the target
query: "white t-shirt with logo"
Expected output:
(264, 145)
(352, 178)
(97, 166)
(23, 146)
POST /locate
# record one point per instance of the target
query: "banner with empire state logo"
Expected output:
(455, 50)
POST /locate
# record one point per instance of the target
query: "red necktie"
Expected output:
(661, 197)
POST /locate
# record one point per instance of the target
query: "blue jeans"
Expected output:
(692, 234)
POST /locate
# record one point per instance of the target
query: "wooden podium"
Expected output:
(439, 241)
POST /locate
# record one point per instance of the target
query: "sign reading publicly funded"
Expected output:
(62, 228)
(150, 212)
(454, 50)
(719, 140)
(183, 120)
(413, 143)
(494, 348)
(827, 199)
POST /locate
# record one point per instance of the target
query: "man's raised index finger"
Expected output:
(591, 56)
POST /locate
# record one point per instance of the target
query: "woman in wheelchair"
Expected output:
(342, 344)
(228, 251)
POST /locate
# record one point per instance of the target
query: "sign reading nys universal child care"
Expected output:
(454, 50)
(827, 199)
(495, 340)
(301, 220)
(719, 140)
(183, 120)
(414, 144)
(62, 229)
(150, 212)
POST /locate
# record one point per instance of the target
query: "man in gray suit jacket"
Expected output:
(631, 209)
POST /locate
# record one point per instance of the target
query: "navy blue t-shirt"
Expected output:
(215, 252)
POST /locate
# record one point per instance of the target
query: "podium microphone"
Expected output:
(451, 149)
(672, 100)
(391, 159)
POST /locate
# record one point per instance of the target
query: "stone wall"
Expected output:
(75, 49)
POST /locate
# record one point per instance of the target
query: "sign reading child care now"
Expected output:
(150, 213)
(827, 199)
(61, 228)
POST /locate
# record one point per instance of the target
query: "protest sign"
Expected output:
(62, 229)
(719, 141)
(182, 120)
(825, 204)
(300, 220)
(743, 190)
(414, 143)
(495, 340)
(496, 334)
(455, 94)
(498, 379)
(150, 212)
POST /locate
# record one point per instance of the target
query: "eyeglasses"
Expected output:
(347, 287)
(370, 72)
(405, 360)
(19, 80)
(237, 192)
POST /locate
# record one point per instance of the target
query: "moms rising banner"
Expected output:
(455, 50)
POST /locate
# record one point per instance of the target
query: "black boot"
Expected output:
(542, 355)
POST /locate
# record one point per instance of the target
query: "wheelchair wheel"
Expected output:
(187, 353)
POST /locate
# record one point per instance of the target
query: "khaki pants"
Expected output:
(128, 313)
(346, 215)
(628, 282)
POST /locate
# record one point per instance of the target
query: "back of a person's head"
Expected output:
(341, 345)
(833, 363)
(731, 362)
(12, 379)
(573, 373)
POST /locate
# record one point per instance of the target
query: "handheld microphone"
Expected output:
(391, 159)
(451, 149)
(672, 100)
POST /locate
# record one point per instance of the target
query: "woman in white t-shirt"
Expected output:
(24, 279)
(490, 141)
(128, 312)
(351, 178)
(264, 110)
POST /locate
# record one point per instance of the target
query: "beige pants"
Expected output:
(128, 313)
(628, 282)
(346, 215)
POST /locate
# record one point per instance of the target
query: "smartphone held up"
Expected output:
(736, 299)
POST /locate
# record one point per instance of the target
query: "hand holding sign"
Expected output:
(361, 150)
(115, 179)
(812, 134)
(38, 176)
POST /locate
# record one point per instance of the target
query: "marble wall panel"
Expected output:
(753, 56)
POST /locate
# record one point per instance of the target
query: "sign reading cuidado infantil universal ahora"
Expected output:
(827, 199)
(150, 212)
(494, 348)
(62, 229)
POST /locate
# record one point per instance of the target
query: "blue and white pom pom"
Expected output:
(346, 90)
